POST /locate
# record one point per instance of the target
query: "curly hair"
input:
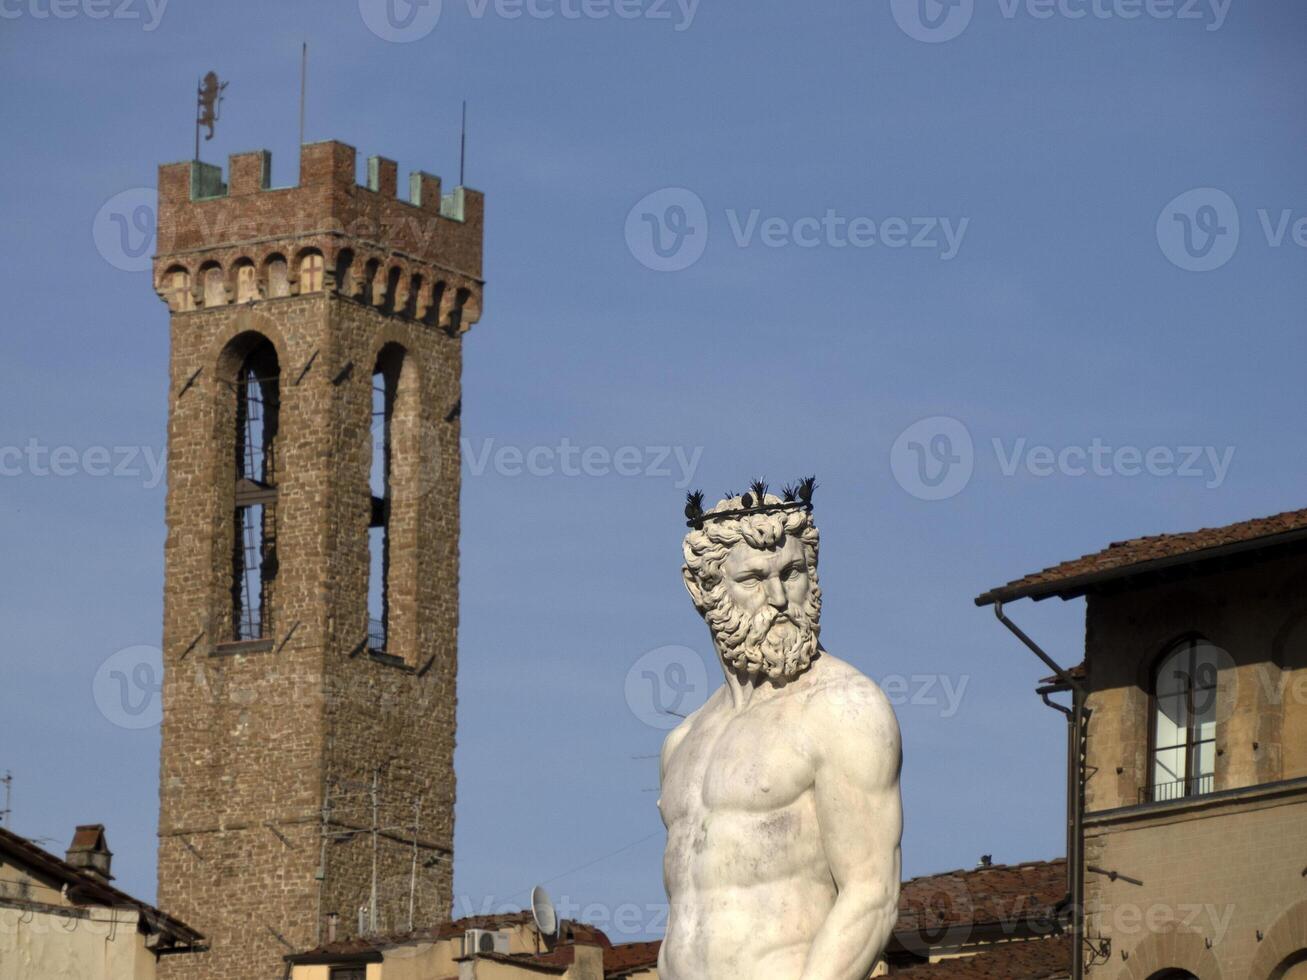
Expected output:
(705, 550)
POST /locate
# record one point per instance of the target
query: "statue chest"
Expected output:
(746, 762)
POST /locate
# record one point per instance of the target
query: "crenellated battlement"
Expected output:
(242, 239)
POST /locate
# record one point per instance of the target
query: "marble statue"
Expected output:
(781, 793)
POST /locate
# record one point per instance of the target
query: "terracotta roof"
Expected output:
(628, 958)
(88, 889)
(1031, 959)
(363, 947)
(995, 895)
(943, 908)
(1154, 553)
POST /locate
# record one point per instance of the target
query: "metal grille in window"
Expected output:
(256, 409)
(255, 561)
(383, 403)
(349, 972)
(254, 553)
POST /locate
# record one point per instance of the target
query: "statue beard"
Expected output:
(779, 645)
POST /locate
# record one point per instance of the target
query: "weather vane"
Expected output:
(208, 102)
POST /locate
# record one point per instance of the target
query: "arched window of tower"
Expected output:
(254, 518)
(311, 267)
(215, 290)
(247, 287)
(396, 462)
(275, 272)
(177, 281)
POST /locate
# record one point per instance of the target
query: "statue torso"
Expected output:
(744, 867)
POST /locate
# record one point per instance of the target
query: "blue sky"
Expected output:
(1090, 321)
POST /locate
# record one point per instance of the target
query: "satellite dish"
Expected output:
(542, 910)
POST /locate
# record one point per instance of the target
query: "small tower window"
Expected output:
(247, 287)
(278, 283)
(311, 273)
(179, 291)
(1184, 720)
(254, 545)
(215, 290)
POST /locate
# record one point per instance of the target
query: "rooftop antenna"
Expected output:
(462, 146)
(8, 782)
(304, 85)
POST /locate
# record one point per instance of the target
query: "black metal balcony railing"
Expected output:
(1177, 789)
(377, 635)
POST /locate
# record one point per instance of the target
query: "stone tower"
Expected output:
(311, 590)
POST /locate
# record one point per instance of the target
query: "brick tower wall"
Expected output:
(271, 747)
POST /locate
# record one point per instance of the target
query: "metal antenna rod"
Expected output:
(372, 904)
(413, 872)
(304, 82)
(462, 146)
(9, 786)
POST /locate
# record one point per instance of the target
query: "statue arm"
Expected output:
(857, 751)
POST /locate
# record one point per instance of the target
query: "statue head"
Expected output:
(753, 578)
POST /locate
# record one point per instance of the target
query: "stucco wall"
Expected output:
(1214, 872)
(97, 944)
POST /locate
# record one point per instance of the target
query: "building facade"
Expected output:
(311, 569)
(61, 919)
(1194, 823)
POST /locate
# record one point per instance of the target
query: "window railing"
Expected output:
(377, 635)
(1178, 789)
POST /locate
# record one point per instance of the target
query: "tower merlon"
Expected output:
(364, 233)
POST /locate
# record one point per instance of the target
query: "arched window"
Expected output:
(437, 298)
(1184, 721)
(1293, 968)
(311, 273)
(247, 287)
(178, 285)
(215, 290)
(254, 523)
(413, 297)
(385, 388)
(460, 303)
(275, 270)
(345, 275)
(393, 277)
(370, 286)
(396, 497)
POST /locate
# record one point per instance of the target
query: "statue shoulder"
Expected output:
(677, 735)
(845, 705)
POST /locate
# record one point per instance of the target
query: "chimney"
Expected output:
(90, 853)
